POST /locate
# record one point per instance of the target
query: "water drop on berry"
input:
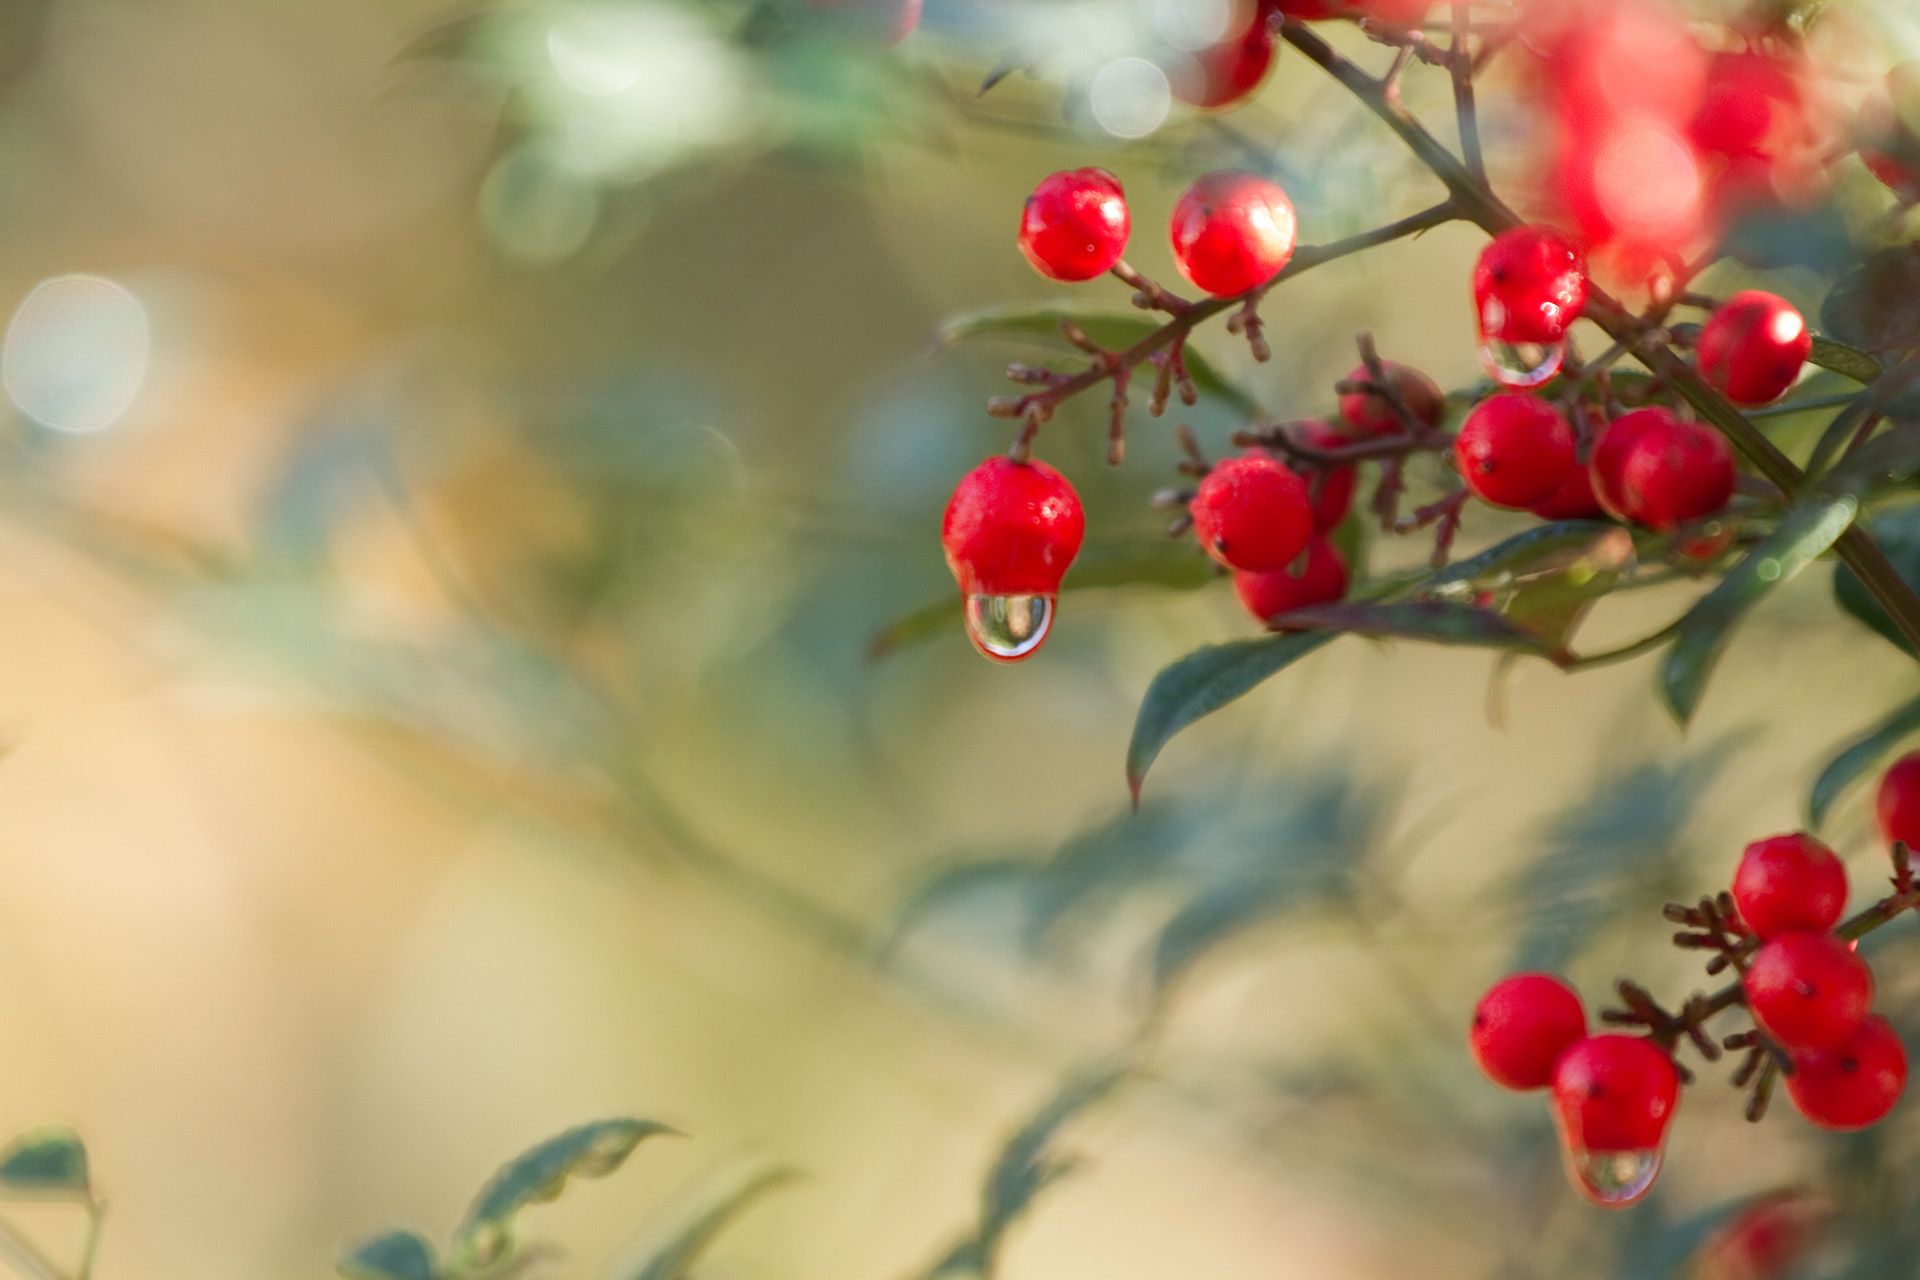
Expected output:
(1521, 364)
(1614, 1178)
(1009, 628)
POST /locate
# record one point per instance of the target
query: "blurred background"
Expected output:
(454, 467)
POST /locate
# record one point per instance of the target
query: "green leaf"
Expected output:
(1433, 621)
(1806, 532)
(540, 1174)
(1876, 307)
(1203, 682)
(1114, 330)
(1501, 566)
(1843, 359)
(393, 1255)
(49, 1161)
(1897, 530)
(1857, 758)
(1555, 594)
(681, 1245)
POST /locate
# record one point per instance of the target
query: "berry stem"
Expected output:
(1460, 64)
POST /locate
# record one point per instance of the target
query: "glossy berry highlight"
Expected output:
(1613, 1099)
(1789, 884)
(1855, 1084)
(1232, 231)
(1522, 1026)
(1253, 513)
(1011, 531)
(1514, 450)
(1808, 991)
(1075, 225)
(1529, 285)
(1753, 347)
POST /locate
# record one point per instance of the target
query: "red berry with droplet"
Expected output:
(1529, 285)
(1789, 884)
(1228, 70)
(1614, 1093)
(1658, 469)
(1514, 450)
(1573, 500)
(1897, 805)
(1232, 231)
(1369, 414)
(1522, 1026)
(1323, 579)
(1754, 347)
(1808, 990)
(1855, 1084)
(1253, 513)
(1011, 531)
(1075, 224)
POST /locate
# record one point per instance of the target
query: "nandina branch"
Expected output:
(1460, 63)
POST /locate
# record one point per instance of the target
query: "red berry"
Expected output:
(1270, 594)
(1253, 513)
(1897, 806)
(1769, 1240)
(1514, 450)
(1789, 884)
(1396, 13)
(1753, 347)
(1653, 467)
(1529, 285)
(1075, 225)
(1522, 1026)
(1573, 500)
(1854, 1085)
(1232, 231)
(1614, 1093)
(1808, 990)
(1011, 530)
(1370, 415)
(1225, 72)
(1335, 487)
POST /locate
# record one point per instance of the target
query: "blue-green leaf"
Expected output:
(49, 1161)
(1807, 531)
(1876, 307)
(1434, 621)
(680, 1246)
(540, 1174)
(1857, 757)
(1898, 532)
(1843, 359)
(392, 1255)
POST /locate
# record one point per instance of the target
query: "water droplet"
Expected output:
(1614, 1179)
(1008, 628)
(1521, 364)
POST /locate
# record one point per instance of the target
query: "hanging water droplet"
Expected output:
(1521, 364)
(1614, 1179)
(1008, 628)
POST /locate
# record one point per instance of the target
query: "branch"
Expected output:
(1460, 63)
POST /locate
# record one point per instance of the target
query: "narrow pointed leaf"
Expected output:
(1858, 758)
(1500, 565)
(393, 1255)
(1843, 359)
(1434, 621)
(50, 1161)
(1203, 682)
(1807, 531)
(674, 1253)
(540, 1174)
(1552, 598)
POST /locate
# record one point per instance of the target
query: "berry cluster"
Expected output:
(1808, 991)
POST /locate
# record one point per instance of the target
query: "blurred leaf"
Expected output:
(1776, 236)
(393, 1255)
(1859, 756)
(1499, 566)
(1806, 532)
(1897, 530)
(46, 1161)
(1433, 621)
(1894, 454)
(540, 1174)
(1203, 682)
(1841, 358)
(1876, 307)
(1114, 330)
(688, 1238)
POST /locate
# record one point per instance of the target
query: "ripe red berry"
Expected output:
(1897, 805)
(1522, 1026)
(1011, 530)
(1075, 225)
(1371, 415)
(1573, 500)
(1855, 1084)
(1252, 513)
(1514, 450)
(1653, 467)
(1789, 884)
(1529, 285)
(1753, 347)
(1323, 580)
(1225, 72)
(1335, 487)
(1613, 1098)
(1808, 990)
(1396, 13)
(1232, 231)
